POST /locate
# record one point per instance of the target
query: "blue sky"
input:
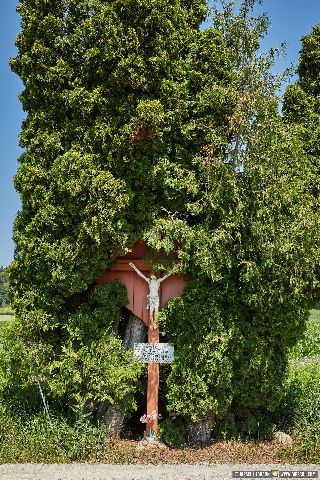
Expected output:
(290, 19)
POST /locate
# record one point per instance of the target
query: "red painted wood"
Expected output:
(153, 382)
(170, 288)
(138, 288)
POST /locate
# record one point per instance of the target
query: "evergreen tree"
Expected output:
(141, 126)
(302, 102)
(4, 299)
(106, 152)
(253, 254)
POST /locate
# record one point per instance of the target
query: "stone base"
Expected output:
(150, 442)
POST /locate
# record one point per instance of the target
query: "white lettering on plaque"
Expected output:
(154, 352)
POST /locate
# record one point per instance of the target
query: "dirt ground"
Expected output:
(223, 452)
(132, 460)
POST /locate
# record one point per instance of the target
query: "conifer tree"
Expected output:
(253, 253)
(106, 152)
(301, 103)
(4, 300)
(140, 125)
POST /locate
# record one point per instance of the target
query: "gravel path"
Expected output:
(85, 471)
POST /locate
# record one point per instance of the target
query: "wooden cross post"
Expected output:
(153, 376)
(153, 337)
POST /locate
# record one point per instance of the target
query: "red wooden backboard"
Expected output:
(138, 288)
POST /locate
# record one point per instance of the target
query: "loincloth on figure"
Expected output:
(153, 306)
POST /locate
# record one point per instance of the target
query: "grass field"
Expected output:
(6, 315)
(309, 345)
(6, 311)
(6, 318)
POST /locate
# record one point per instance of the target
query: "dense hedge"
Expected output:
(142, 126)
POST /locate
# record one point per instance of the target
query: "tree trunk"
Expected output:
(135, 332)
(199, 433)
(113, 416)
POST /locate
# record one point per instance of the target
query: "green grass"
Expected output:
(6, 318)
(6, 315)
(309, 345)
(300, 409)
(30, 438)
(6, 311)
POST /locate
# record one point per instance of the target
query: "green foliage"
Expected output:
(309, 345)
(309, 62)
(200, 379)
(91, 364)
(252, 245)
(4, 298)
(141, 126)
(306, 379)
(301, 104)
(173, 432)
(223, 366)
(27, 439)
(299, 412)
(107, 99)
(307, 449)
(108, 373)
(300, 408)
(17, 383)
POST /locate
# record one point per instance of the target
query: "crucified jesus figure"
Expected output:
(153, 297)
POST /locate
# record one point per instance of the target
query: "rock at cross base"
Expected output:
(283, 438)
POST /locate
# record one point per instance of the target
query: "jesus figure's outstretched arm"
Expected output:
(160, 280)
(132, 265)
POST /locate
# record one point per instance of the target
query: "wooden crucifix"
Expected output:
(153, 337)
(146, 295)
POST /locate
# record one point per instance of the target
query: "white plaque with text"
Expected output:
(154, 352)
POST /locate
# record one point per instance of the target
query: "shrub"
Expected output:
(173, 432)
(299, 411)
(300, 407)
(88, 364)
(307, 444)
